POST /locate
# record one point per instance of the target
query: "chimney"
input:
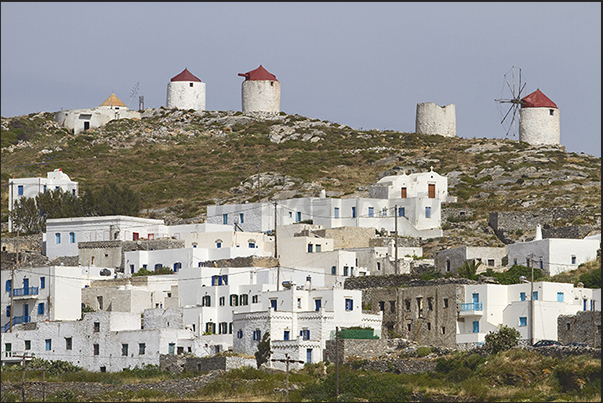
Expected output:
(538, 236)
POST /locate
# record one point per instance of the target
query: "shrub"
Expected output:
(505, 338)
(423, 351)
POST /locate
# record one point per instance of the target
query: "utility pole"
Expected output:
(23, 379)
(396, 243)
(287, 360)
(336, 363)
(259, 184)
(43, 384)
(278, 263)
(532, 300)
(12, 293)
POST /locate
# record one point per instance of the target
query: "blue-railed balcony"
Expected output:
(471, 308)
(26, 292)
(16, 321)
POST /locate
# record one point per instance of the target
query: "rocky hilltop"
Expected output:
(181, 161)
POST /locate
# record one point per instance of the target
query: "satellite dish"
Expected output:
(515, 88)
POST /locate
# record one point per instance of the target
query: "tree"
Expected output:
(112, 199)
(469, 269)
(26, 216)
(505, 338)
(263, 354)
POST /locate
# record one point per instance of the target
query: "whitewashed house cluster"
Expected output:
(31, 187)
(414, 201)
(299, 320)
(493, 305)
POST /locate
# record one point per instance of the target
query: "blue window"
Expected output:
(224, 218)
(218, 245)
(317, 304)
(56, 188)
(8, 285)
(475, 326)
(333, 270)
(523, 321)
(298, 216)
(427, 212)
(48, 344)
(584, 304)
(541, 264)
(158, 266)
(241, 218)
(371, 212)
(573, 259)
(273, 304)
(286, 335)
(309, 356)
(336, 212)
(349, 304)
(535, 295)
(177, 266)
(305, 334)
(353, 212)
(72, 237)
(41, 308)
(239, 334)
(522, 296)
(257, 334)
(345, 270)
(559, 297)
(309, 248)
(42, 282)
(401, 212)
(251, 245)
(44, 190)
(20, 190)
(57, 238)
(8, 311)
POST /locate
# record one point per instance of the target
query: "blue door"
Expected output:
(309, 356)
(476, 326)
(25, 287)
(475, 299)
(317, 304)
(26, 310)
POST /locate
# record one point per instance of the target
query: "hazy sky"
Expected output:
(366, 65)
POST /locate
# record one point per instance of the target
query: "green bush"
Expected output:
(423, 351)
(505, 338)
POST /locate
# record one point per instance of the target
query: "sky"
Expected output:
(365, 65)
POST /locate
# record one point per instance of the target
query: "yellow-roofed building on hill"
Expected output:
(78, 120)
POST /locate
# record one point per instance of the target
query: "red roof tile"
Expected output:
(258, 74)
(185, 76)
(537, 100)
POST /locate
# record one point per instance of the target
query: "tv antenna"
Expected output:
(133, 93)
(515, 88)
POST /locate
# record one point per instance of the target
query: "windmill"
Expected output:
(515, 88)
(133, 93)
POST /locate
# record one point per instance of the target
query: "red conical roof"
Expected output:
(258, 74)
(537, 100)
(185, 76)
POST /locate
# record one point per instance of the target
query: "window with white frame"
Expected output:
(349, 304)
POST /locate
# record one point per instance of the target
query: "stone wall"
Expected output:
(23, 243)
(180, 363)
(505, 224)
(243, 261)
(583, 327)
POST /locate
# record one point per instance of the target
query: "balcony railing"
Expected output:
(19, 292)
(16, 321)
(472, 306)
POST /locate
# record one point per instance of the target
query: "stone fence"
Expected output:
(181, 363)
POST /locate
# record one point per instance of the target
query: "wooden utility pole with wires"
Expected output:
(336, 363)
(278, 263)
(287, 360)
(532, 300)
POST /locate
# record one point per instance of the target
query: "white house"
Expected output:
(553, 255)
(105, 341)
(421, 184)
(39, 294)
(493, 305)
(133, 294)
(79, 120)
(63, 234)
(300, 320)
(450, 260)
(31, 187)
